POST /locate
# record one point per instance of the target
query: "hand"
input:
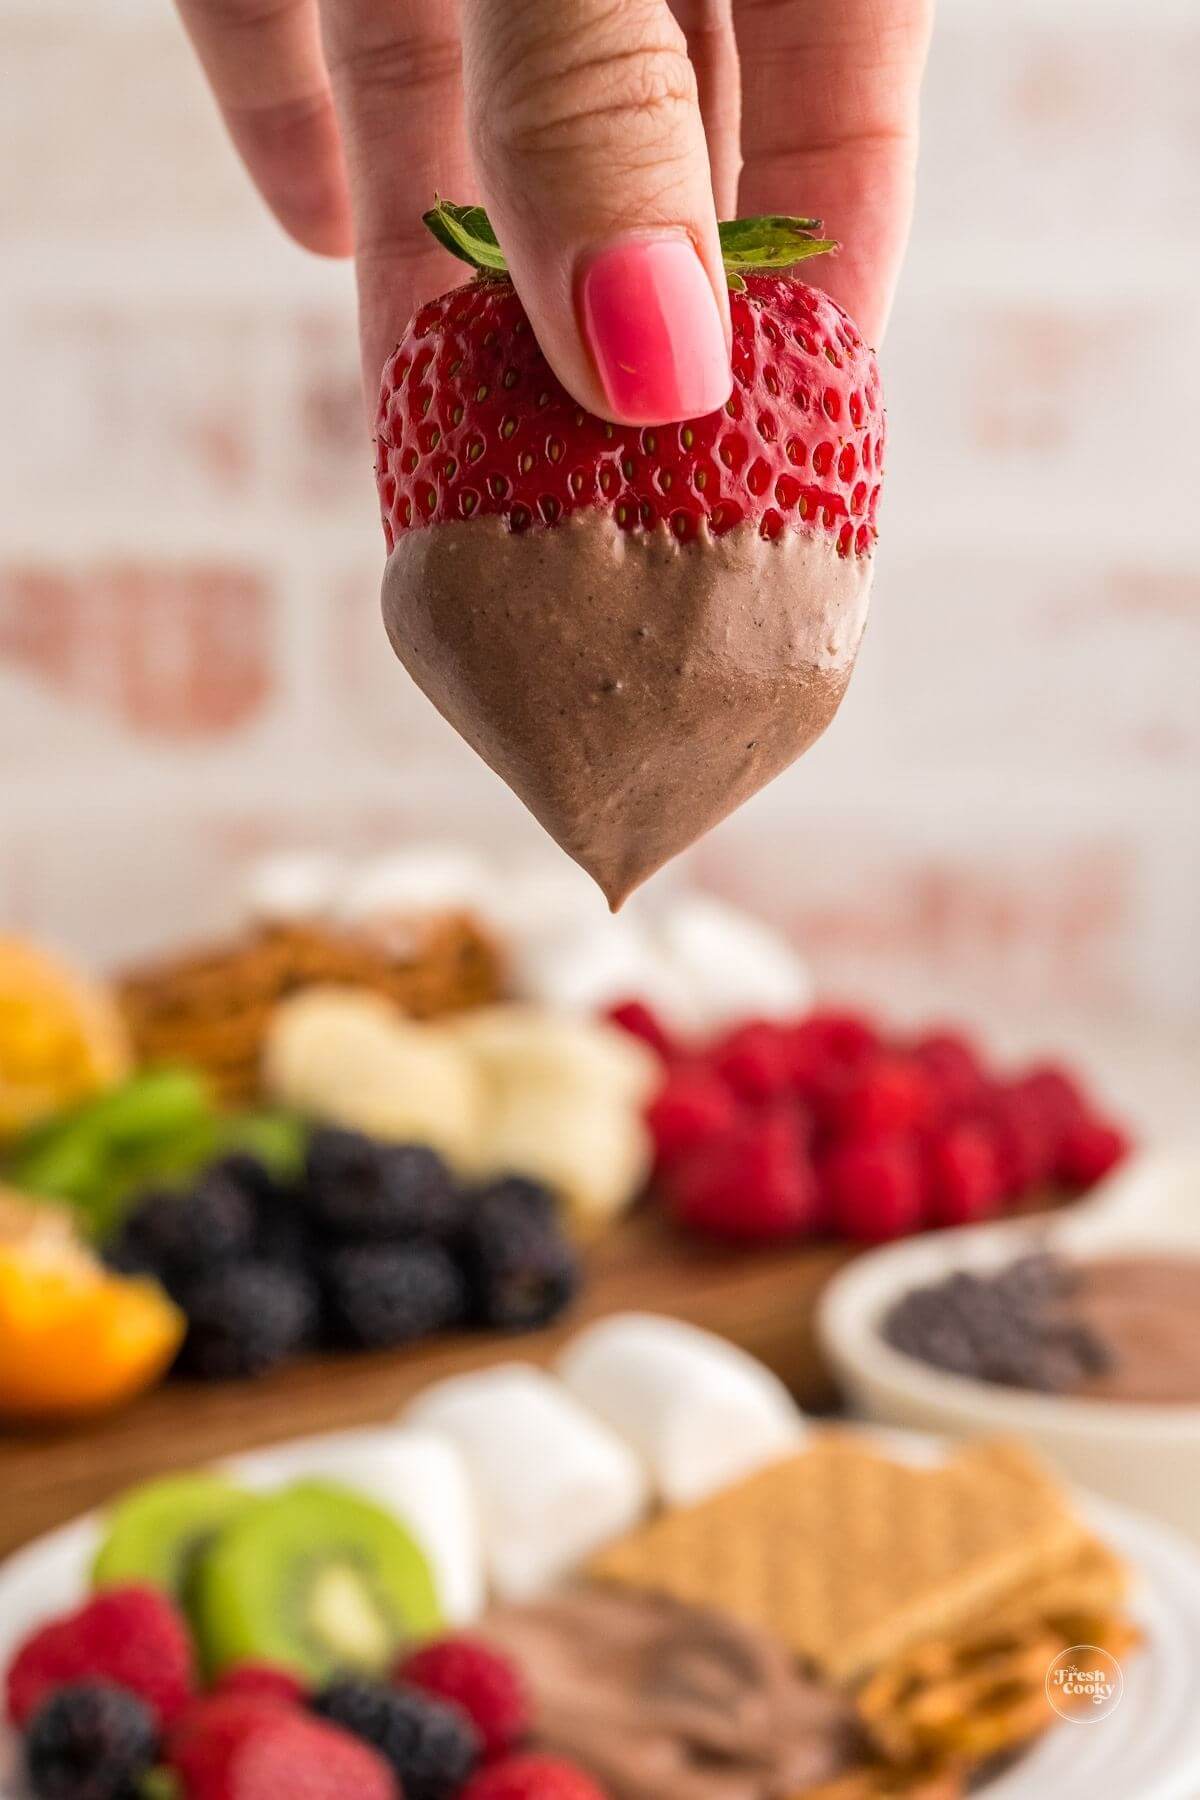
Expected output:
(605, 137)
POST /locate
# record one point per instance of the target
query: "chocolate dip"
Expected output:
(1146, 1312)
(631, 690)
(657, 1699)
(1124, 1328)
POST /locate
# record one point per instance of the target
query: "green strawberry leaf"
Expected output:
(466, 231)
(776, 241)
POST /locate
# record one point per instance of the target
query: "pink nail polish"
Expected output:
(652, 323)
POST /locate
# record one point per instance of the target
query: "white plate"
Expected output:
(1148, 1749)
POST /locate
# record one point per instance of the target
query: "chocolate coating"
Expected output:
(631, 690)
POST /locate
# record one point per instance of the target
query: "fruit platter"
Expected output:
(278, 1183)
(639, 1572)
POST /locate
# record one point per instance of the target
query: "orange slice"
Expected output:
(61, 1036)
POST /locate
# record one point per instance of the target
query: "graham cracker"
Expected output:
(848, 1556)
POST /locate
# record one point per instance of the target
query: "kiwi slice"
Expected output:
(314, 1579)
(157, 1532)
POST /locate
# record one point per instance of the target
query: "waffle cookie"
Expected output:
(849, 1557)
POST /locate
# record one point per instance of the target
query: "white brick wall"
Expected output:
(191, 664)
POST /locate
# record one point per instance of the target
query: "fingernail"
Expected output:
(654, 329)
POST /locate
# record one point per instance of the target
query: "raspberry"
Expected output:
(874, 1189)
(233, 1747)
(1090, 1148)
(432, 1747)
(129, 1636)
(691, 1108)
(380, 1295)
(486, 1685)
(891, 1094)
(1053, 1093)
(1026, 1141)
(964, 1183)
(357, 1188)
(533, 1778)
(828, 1049)
(262, 1681)
(90, 1742)
(954, 1069)
(635, 1017)
(521, 1272)
(755, 1061)
(246, 1319)
(755, 1182)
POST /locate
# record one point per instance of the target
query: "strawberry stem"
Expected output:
(776, 241)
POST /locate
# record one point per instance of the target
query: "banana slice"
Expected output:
(523, 1044)
(354, 1059)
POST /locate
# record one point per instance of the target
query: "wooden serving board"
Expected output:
(763, 1300)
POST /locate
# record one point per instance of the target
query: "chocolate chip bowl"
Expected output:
(1079, 1334)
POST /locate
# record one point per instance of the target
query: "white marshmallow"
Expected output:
(419, 1477)
(552, 1484)
(699, 1412)
(731, 965)
(293, 886)
(425, 878)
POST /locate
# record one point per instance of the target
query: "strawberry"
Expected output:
(630, 727)
(533, 1778)
(472, 422)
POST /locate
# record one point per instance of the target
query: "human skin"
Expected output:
(605, 137)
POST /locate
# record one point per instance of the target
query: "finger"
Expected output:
(263, 60)
(831, 91)
(396, 69)
(586, 132)
(707, 26)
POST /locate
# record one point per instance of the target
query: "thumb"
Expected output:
(589, 151)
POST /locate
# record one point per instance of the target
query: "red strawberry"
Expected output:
(486, 1685)
(234, 1747)
(641, 1021)
(874, 1189)
(691, 1108)
(262, 1681)
(533, 1778)
(756, 1182)
(505, 504)
(130, 1636)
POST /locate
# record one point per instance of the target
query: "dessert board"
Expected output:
(1147, 1749)
(762, 1300)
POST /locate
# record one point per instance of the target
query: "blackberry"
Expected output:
(378, 1295)
(432, 1746)
(244, 1319)
(521, 1272)
(525, 1194)
(247, 1172)
(91, 1741)
(181, 1237)
(358, 1188)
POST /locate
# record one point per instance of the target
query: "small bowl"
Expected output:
(1146, 1456)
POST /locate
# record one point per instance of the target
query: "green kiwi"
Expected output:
(156, 1533)
(313, 1579)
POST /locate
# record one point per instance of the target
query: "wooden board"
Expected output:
(763, 1300)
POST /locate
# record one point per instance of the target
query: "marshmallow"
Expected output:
(699, 1412)
(292, 886)
(731, 965)
(552, 1484)
(420, 1478)
(425, 878)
